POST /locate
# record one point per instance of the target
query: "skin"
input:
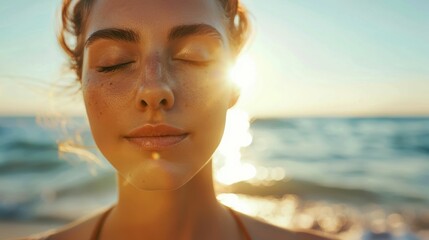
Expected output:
(196, 97)
(165, 194)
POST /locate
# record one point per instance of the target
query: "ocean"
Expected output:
(359, 177)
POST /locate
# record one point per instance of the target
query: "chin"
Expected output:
(159, 175)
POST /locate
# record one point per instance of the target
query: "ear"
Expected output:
(235, 95)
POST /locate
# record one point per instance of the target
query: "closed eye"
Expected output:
(199, 63)
(107, 69)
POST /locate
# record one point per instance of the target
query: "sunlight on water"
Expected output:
(346, 222)
(292, 212)
(266, 174)
(236, 136)
(276, 211)
(233, 201)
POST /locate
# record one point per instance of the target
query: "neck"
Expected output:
(185, 213)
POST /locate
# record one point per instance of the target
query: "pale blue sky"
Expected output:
(312, 57)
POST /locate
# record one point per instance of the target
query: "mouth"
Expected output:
(156, 137)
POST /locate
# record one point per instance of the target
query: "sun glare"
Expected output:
(235, 137)
(243, 73)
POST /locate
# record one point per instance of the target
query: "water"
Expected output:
(358, 162)
(388, 157)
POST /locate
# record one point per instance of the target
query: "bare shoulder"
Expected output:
(259, 229)
(79, 229)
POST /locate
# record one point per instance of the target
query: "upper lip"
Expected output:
(155, 130)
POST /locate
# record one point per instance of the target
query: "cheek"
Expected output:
(205, 101)
(204, 89)
(94, 99)
(104, 96)
(97, 109)
(104, 99)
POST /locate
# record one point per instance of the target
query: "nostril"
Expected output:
(144, 103)
(155, 99)
(163, 102)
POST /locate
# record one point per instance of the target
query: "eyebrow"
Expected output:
(118, 34)
(182, 31)
(177, 32)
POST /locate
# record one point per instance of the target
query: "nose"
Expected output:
(154, 92)
(155, 98)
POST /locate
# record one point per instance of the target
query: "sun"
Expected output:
(243, 73)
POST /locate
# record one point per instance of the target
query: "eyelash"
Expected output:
(194, 63)
(113, 68)
(107, 69)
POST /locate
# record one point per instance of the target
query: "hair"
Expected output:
(74, 15)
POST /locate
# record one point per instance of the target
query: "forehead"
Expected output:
(154, 17)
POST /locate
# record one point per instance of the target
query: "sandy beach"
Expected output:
(12, 230)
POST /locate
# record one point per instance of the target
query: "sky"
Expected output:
(306, 58)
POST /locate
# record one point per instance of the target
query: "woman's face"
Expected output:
(160, 65)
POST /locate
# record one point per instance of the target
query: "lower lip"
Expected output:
(157, 143)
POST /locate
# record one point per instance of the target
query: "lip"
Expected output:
(156, 137)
